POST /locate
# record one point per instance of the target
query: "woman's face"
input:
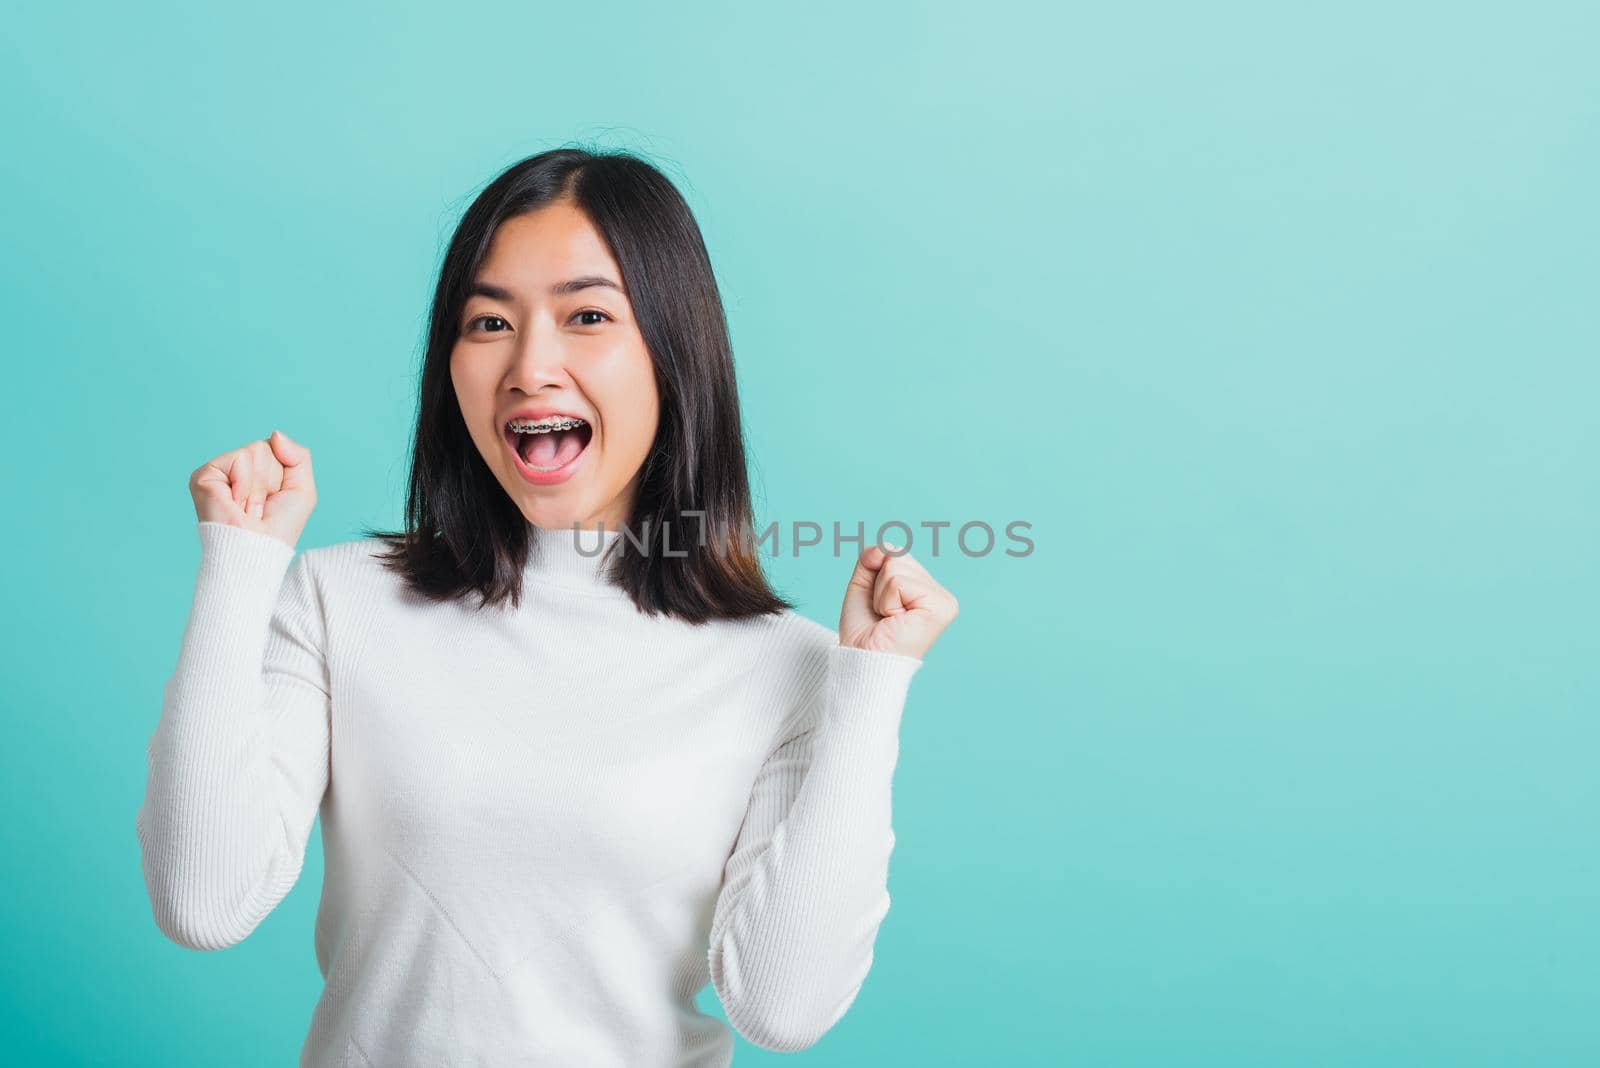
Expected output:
(546, 329)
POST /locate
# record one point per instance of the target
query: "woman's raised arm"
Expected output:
(806, 886)
(238, 763)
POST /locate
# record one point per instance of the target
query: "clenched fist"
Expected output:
(265, 486)
(893, 605)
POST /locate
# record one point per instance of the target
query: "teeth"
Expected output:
(544, 426)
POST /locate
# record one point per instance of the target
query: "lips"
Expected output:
(534, 412)
(549, 458)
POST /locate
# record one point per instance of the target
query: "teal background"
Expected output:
(1281, 318)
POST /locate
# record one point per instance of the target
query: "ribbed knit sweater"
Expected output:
(545, 826)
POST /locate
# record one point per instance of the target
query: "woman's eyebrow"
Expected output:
(560, 289)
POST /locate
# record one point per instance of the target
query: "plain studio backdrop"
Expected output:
(1276, 322)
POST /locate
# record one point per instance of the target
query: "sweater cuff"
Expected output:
(236, 551)
(240, 577)
(867, 685)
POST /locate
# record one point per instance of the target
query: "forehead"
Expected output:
(558, 241)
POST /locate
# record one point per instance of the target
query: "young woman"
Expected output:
(574, 758)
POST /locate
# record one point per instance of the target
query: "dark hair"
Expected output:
(464, 533)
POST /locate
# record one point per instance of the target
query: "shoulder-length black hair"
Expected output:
(463, 533)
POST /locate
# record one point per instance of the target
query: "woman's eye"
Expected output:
(500, 329)
(483, 318)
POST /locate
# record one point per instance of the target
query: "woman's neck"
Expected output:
(570, 556)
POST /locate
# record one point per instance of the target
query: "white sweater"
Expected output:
(545, 828)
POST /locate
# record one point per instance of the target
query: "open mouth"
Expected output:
(548, 446)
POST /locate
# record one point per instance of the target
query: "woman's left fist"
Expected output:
(893, 605)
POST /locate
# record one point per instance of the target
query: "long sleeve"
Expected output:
(806, 886)
(238, 763)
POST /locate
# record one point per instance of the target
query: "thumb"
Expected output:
(296, 461)
(858, 611)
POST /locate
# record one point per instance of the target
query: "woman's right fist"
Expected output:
(265, 486)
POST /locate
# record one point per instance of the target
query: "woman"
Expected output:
(561, 789)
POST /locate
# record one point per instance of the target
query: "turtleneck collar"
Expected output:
(576, 559)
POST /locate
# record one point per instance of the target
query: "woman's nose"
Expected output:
(538, 358)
